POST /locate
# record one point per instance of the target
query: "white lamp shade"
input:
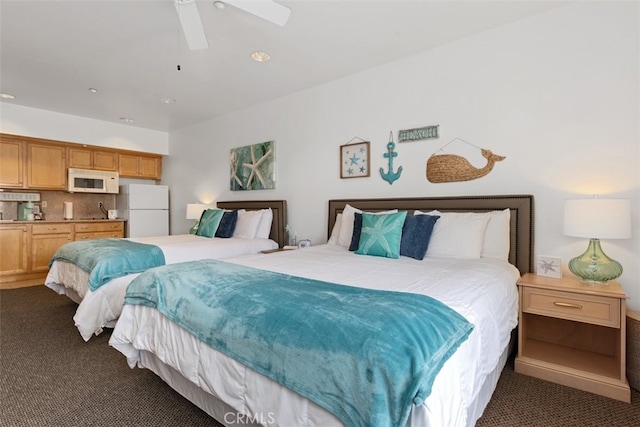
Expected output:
(194, 210)
(597, 218)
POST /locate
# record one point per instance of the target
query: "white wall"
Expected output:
(19, 120)
(557, 94)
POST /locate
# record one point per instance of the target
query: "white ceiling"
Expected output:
(52, 52)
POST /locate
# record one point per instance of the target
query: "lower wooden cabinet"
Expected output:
(99, 230)
(27, 248)
(45, 240)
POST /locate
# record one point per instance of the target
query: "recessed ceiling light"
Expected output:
(126, 120)
(260, 56)
(7, 96)
(167, 100)
(219, 5)
(93, 90)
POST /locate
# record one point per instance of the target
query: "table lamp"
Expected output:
(194, 211)
(597, 219)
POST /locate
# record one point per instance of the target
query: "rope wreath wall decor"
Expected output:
(454, 168)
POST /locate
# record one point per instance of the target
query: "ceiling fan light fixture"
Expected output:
(167, 100)
(219, 5)
(259, 56)
(7, 96)
(191, 24)
(93, 90)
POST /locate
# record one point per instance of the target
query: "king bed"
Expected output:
(394, 374)
(100, 305)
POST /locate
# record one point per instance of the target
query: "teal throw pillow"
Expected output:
(380, 234)
(209, 222)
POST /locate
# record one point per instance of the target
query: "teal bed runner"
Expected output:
(106, 259)
(364, 355)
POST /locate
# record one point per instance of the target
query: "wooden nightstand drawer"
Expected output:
(592, 309)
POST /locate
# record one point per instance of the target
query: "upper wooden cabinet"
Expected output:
(11, 163)
(46, 166)
(87, 158)
(41, 164)
(139, 166)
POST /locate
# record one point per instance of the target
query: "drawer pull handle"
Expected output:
(567, 304)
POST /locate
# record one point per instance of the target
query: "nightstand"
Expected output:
(573, 333)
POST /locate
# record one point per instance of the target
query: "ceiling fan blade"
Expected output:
(191, 24)
(268, 10)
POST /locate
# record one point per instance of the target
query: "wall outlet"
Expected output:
(44, 203)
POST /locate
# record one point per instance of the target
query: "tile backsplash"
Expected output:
(85, 206)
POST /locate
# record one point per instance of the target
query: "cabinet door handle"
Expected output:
(567, 304)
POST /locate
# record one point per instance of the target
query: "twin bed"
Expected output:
(100, 307)
(386, 372)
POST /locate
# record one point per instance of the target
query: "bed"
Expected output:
(100, 307)
(480, 290)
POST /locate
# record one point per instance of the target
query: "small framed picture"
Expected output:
(549, 266)
(354, 160)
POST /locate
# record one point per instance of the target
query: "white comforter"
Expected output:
(482, 290)
(102, 307)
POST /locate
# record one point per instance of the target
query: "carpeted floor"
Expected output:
(50, 377)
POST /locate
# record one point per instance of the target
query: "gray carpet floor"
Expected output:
(50, 377)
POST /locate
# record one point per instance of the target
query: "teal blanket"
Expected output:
(106, 259)
(364, 355)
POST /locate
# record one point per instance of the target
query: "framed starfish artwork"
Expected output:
(253, 167)
(354, 160)
(549, 266)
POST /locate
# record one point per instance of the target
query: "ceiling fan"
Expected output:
(192, 27)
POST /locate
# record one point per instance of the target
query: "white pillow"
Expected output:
(333, 239)
(247, 224)
(496, 237)
(264, 228)
(346, 224)
(457, 234)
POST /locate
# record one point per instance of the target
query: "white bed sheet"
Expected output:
(482, 290)
(101, 308)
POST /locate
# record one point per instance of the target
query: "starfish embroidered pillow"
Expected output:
(209, 222)
(380, 234)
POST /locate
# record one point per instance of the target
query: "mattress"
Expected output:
(101, 308)
(482, 290)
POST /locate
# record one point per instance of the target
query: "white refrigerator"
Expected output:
(145, 208)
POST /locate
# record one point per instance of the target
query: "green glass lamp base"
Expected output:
(594, 265)
(194, 229)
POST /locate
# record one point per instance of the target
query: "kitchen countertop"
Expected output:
(48, 221)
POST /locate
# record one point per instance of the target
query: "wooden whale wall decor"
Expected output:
(453, 168)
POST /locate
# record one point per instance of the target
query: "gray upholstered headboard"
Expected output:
(520, 206)
(279, 208)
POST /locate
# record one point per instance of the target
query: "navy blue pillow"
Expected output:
(416, 234)
(357, 230)
(227, 224)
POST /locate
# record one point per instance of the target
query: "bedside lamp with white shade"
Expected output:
(597, 219)
(194, 211)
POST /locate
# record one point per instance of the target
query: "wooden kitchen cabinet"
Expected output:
(88, 158)
(14, 243)
(46, 166)
(45, 241)
(140, 166)
(11, 163)
(41, 164)
(28, 246)
(99, 230)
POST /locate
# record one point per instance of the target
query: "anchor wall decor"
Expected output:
(454, 168)
(390, 175)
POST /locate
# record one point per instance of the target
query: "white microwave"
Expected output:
(92, 181)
